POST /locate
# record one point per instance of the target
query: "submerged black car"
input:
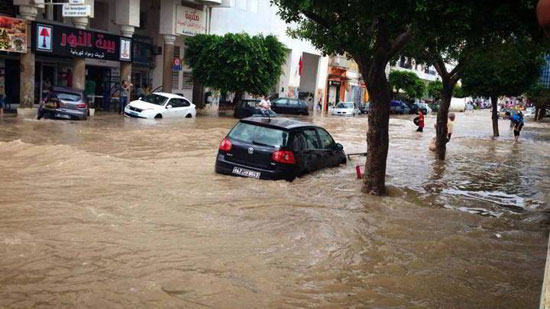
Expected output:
(249, 108)
(277, 148)
(289, 106)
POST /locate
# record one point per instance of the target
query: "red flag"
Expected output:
(301, 65)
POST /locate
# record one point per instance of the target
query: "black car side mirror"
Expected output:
(339, 147)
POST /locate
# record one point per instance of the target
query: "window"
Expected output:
(293, 103)
(281, 101)
(155, 99)
(299, 142)
(312, 141)
(326, 140)
(259, 135)
(176, 103)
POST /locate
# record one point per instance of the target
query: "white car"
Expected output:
(346, 109)
(160, 105)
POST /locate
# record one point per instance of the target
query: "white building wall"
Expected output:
(259, 17)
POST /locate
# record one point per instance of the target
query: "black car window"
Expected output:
(282, 102)
(326, 140)
(312, 141)
(293, 103)
(259, 135)
(299, 142)
(185, 103)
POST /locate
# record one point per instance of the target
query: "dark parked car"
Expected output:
(64, 102)
(399, 107)
(277, 148)
(249, 108)
(289, 106)
(364, 108)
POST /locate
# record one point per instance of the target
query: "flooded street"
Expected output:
(112, 213)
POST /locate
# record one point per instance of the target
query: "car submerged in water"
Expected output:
(63, 103)
(277, 148)
(160, 105)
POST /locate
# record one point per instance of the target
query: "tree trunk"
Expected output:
(442, 118)
(537, 111)
(494, 101)
(238, 97)
(542, 113)
(378, 127)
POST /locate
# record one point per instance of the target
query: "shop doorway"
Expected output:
(48, 79)
(101, 76)
(12, 81)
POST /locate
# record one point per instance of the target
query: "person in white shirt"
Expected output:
(450, 126)
(265, 103)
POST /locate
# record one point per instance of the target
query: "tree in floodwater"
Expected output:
(236, 63)
(372, 32)
(540, 96)
(449, 43)
(502, 68)
(409, 82)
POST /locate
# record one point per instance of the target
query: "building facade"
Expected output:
(305, 70)
(135, 40)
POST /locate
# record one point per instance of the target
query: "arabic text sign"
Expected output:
(190, 21)
(13, 35)
(72, 42)
(71, 10)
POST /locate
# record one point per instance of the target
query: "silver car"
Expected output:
(65, 103)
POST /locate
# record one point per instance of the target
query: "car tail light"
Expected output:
(226, 145)
(81, 105)
(283, 156)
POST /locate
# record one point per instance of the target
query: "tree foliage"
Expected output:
(236, 62)
(502, 69)
(407, 81)
(434, 90)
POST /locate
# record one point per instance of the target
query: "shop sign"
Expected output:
(13, 35)
(72, 10)
(72, 42)
(176, 65)
(190, 21)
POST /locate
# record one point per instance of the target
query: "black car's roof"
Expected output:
(280, 123)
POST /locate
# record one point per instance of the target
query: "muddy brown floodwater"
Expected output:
(113, 213)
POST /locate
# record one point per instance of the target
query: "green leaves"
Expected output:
(236, 62)
(502, 68)
(413, 86)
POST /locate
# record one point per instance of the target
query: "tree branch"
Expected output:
(317, 19)
(400, 41)
(441, 68)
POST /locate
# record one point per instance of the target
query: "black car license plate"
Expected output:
(246, 173)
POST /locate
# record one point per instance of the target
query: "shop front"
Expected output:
(81, 59)
(13, 42)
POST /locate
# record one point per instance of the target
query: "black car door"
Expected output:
(313, 149)
(330, 156)
(279, 106)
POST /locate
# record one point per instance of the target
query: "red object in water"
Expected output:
(543, 14)
(358, 171)
(283, 156)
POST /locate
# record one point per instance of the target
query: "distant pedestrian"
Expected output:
(518, 122)
(124, 95)
(450, 126)
(265, 103)
(419, 121)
